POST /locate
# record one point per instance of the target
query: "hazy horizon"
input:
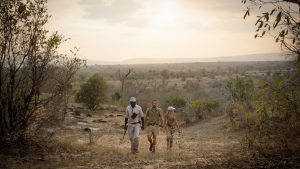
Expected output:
(235, 58)
(116, 30)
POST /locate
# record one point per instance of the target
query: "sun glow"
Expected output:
(155, 28)
(167, 14)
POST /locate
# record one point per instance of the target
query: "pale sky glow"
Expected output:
(115, 30)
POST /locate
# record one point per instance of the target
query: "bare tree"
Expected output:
(139, 85)
(123, 77)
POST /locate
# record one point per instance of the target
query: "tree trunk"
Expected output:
(122, 88)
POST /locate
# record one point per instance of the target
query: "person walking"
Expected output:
(171, 125)
(153, 120)
(134, 122)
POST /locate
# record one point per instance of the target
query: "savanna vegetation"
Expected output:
(51, 102)
(33, 75)
(273, 127)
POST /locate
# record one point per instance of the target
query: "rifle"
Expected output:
(122, 139)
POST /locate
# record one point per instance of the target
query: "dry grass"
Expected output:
(206, 144)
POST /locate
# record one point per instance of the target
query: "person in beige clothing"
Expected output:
(134, 122)
(171, 125)
(153, 120)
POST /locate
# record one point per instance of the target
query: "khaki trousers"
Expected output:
(152, 133)
(170, 135)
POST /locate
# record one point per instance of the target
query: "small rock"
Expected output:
(100, 121)
(77, 113)
(113, 108)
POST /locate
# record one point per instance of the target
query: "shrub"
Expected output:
(204, 106)
(177, 101)
(92, 92)
(240, 89)
(116, 96)
(241, 95)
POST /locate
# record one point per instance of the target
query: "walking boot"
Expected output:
(136, 146)
(171, 144)
(168, 143)
(151, 147)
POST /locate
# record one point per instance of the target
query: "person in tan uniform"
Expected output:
(153, 120)
(171, 126)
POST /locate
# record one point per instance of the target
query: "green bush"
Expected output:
(92, 92)
(240, 89)
(204, 106)
(116, 96)
(241, 96)
(176, 101)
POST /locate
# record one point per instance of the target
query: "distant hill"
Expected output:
(99, 62)
(238, 58)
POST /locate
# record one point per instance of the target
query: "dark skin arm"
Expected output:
(126, 121)
(145, 119)
(143, 123)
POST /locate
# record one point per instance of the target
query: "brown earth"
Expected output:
(206, 144)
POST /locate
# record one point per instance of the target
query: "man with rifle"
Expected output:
(134, 122)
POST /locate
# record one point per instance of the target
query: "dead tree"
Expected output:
(139, 85)
(122, 78)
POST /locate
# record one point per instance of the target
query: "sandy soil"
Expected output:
(206, 144)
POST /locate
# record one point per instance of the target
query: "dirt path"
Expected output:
(211, 143)
(206, 144)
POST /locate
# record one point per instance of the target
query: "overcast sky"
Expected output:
(115, 30)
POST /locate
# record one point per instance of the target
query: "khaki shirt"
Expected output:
(153, 116)
(170, 120)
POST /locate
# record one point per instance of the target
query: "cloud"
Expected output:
(140, 13)
(138, 23)
(211, 16)
(112, 11)
(217, 6)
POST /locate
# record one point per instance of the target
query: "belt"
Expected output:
(136, 123)
(152, 124)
